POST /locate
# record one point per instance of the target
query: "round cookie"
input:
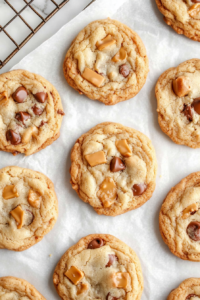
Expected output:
(178, 103)
(113, 168)
(179, 218)
(107, 61)
(28, 208)
(99, 266)
(182, 15)
(18, 289)
(30, 112)
(189, 289)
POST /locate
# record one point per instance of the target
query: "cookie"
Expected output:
(178, 103)
(28, 207)
(113, 168)
(107, 62)
(183, 16)
(189, 289)
(30, 112)
(18, 289)
(99, 266)
(179, 218)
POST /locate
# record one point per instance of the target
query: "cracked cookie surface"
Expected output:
(28, 206)
(107, 61)
(18, 289)
(178, 103)
(30, 112)
(113, 168)
(189, 289)
(99, 266)
(179, 218)
(182, 15)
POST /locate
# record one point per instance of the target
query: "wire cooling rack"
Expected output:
(17, 15)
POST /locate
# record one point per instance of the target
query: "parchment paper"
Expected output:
(139, 229)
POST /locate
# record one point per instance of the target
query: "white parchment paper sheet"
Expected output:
(139, 229)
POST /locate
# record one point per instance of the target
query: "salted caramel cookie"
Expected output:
(99, 266)
(178, 103)
(189, 289)
(30, 112)
(18, 289)
(179, 218)
(28, 207)
(183, 16)
(113, 168)
(107, 61)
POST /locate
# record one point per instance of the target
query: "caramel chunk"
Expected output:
(123, 148)
(74, 274)
(95, 159)
(106, 42)
(20, 94)
(10, 192)
(29, 133)
(193, 231)
(120, 280)
(82, 288)
(34, 199)
(181, 86)
(196, 105)
(190, 210)
(96, 243)
(121, 55)
(93, 77)
(194, 11)
(18, 215)
(107, 192)
(3, 98)
(13, 137)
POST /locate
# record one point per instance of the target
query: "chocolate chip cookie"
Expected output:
(183, 16)
(189, 289)
(178, 103)
(99, 266)
(107, 61)
(18, 289)
(28, 207)
(30, 112)
(180, 218)
(113, 168)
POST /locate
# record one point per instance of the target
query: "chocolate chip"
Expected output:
(112, 259)
(41, 97)
(96, 243)
(60, 112)
(13, 137)
(42, 124)
(195, 1)
(116, 165)
(109, 297)
(187, 110)
(22, 116)
(190, 296)
(15, 153)
(138, 189)
(28, 215)
(196, 105)
(124, 70)
(20, 94)
(193, 231)
(37, 110)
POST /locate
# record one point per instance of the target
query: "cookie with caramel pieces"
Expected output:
(30, 112)
(107, 62)
(28, 208)
(113, 168)
(179, 218)
(18, 289)
(99, 266)
(189, 289)
(178, 103)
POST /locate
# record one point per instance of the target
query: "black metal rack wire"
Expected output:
(33, 31)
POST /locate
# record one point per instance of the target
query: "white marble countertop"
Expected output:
(19, 30)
